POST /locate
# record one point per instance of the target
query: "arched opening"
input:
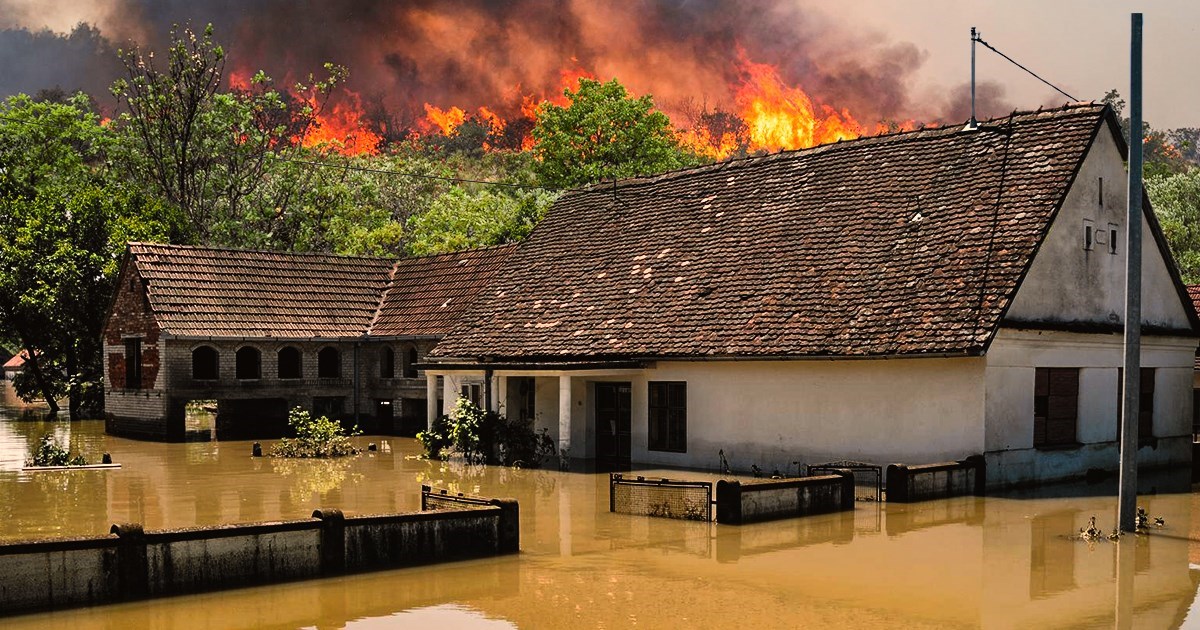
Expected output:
(205, 366)
(410, 365)
(290, 362)
(249, 363)
(387, 363)
(329, 363)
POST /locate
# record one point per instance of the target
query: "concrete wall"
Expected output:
(909, 484)
(766, 500)
(131, 564)
(1067, 283)
(1012, 362)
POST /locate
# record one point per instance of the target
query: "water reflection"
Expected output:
(997, 562)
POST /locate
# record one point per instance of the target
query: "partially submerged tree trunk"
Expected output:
(31, 364)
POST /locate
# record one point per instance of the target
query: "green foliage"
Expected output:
(604, 134)
(486, 437)
(1176, 201)
(461, 220)
(315, 437)
(49, 453)
(64, 221)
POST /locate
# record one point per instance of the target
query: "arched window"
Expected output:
(248, 363)
(329, 363)
(290, 362)
(205, 364)
(387, 363)
(410, 366)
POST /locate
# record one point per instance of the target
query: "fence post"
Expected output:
(132, 574)
(509, 528)
(729, 502)
(847, 489)
(980, 465)
(333, 541)
(897, 483)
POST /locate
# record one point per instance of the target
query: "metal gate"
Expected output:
(868, 478)
(666, 498)
(439, 499)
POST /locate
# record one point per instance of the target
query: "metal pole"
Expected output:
(1131, 387)
(973, 123)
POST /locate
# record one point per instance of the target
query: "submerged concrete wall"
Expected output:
(131, 564)
(765, 500)
(908, 484)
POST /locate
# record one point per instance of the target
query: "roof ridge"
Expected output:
(132, 244)
(923, 132)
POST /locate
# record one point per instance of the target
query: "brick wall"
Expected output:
(131, 317)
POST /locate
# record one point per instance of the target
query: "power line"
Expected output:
(1031, 72)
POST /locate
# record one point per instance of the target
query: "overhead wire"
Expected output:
(1031, 72)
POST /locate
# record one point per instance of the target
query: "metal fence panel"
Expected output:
(666, 498)
(441, 499)
(868, 478)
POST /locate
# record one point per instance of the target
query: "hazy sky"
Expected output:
(1082, 46)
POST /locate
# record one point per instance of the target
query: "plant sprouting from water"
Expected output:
(315, 437)
(486, 437)
(49, 453)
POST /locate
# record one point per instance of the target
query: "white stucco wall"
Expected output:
(1067, 283)
(1012, 362)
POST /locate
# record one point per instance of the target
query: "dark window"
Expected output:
(331, 407)
(410, 365)
(1055, 406)
(668, 416)
(291, 362)
(387, 363)
(522, 397)
(329, 363)
(133, 364)
(1145, 403)
(248, 363)
(205, 364)
(472, 392)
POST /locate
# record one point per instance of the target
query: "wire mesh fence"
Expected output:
(441, 499)
(868, 478)
(665, 498)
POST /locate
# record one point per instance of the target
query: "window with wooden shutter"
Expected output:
(668, 416)
(133, 363)
(1055, 406)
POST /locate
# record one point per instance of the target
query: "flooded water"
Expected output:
(996, 562)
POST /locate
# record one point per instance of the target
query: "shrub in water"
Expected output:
(49, 453)
(486, 437)
(315, 437)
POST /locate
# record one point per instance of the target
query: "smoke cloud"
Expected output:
(471, 53)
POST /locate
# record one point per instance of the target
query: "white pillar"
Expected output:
(564, 413)
(501, 388)
(432, 409)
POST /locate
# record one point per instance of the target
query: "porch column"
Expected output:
(564, 413)
(431, 400)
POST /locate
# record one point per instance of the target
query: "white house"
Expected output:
(914, 297)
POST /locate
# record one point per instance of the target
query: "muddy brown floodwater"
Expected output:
(995, 562)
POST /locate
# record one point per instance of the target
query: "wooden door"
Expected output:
(613, 426)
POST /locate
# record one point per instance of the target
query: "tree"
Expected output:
(215, 154)
(1176, 201)
(63, 227)
(603, 134)
(461, 220)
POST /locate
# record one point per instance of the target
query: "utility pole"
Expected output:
(973, 123)
(1131, 387)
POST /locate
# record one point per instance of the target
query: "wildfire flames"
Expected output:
(767, 115)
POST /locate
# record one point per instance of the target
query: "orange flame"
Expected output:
(783, 117)
(342, 129)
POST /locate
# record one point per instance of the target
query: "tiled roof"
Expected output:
(198, 291)
(906, 244)
(428, 294)
(17, 361)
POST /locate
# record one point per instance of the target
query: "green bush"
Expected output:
(49, 453)
(486, 437)
(315, 437)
